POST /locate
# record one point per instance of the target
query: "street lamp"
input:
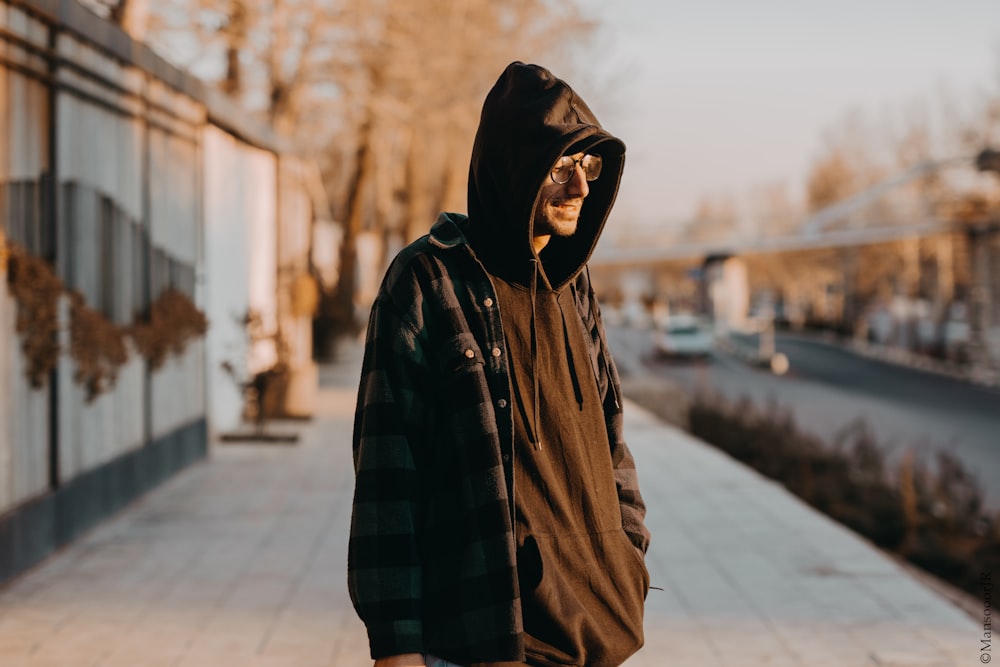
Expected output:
(981, 297)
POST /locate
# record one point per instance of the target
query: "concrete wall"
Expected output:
(240, 238)
(100, 172)
(176, 230)
(24, 160)
(130, 178)
(258, 229)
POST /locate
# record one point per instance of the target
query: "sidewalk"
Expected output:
(241, 561)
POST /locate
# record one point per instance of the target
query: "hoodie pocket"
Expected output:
(640, 562)
(587, 605)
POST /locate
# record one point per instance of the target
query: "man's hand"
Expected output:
(405, 660)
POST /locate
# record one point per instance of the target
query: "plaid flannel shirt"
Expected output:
(431, 562)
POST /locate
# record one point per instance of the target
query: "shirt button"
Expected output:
(488, 302)
(470, 354)
(502, 403)
(506, 458)
(496, 352)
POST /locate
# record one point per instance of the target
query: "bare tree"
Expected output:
(386, 93)
(772, 209)
(831, 179)
(427, 67)
(715, 219)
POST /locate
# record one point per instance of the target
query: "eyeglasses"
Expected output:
(566, 167)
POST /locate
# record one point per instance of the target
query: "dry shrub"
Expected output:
(96, 345)
(932, 515)
(36, 288)
(173, 322)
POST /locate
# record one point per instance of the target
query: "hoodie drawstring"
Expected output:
(535, 430)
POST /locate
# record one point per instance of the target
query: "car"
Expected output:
(684, 336)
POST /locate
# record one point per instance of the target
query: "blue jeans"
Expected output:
(437, 662)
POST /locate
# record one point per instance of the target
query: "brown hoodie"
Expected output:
(582, 581)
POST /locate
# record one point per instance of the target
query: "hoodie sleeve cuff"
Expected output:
(395, 638)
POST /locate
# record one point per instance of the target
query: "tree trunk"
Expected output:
(418, 206)
(345, 321)
(236, 36)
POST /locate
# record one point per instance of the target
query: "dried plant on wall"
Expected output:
(173, 322)
(36, 289)
(96, 345)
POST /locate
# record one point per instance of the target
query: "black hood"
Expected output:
(530, 118)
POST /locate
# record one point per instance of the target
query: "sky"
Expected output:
(722, 96)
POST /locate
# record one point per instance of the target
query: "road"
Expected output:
(828, 388)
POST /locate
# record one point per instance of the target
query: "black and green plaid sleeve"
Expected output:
(384, 570)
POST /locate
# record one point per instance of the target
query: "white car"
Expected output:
(684, 336)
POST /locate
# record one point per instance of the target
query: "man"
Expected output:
(497, 517)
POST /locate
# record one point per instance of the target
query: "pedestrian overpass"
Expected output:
(884, 241)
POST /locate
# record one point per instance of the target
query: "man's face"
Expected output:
(559, 204)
